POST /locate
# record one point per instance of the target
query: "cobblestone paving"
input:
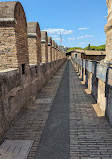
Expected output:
(30, 123)
(90, 132)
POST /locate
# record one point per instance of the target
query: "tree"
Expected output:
(89, 47)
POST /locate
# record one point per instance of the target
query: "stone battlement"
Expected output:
(26, 61)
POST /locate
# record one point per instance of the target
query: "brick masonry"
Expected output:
(17, 91)
(34, 42)
(44, 46)
(24, 67)
(49, 49)
(89, 131)
(13, 39)
(53, 50)
(30, 122)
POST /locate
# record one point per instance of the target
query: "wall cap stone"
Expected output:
(11, 20)
(49, 41)
(32, 35)
(9, 72)
(33, 29)
(44, 38)
(8, 11)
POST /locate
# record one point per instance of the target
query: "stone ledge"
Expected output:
(9, 72)
(13, 20)
(32, 35)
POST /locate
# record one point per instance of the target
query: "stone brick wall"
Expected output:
(24, 66)
(34, 42)
(56, 51)
(16, 94)
(7, 47)
(44, 46)
(53, 50)
(49, 49)
(13, 36)
(32, 49)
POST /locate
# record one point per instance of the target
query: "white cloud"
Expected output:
(85, 36)
(82, 43)
(58, 31)
(57, 39)
(54, 36)
(71, 38)
(82, 28)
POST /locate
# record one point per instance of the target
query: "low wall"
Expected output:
(18, 90)
(98, 79)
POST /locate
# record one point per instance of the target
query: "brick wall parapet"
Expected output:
(53, 50)
(13, 37)
(49, 49)
(34, 42)
(27, 61)
(44, 46)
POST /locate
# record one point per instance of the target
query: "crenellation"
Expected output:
(53, 50)
(34, 42)
(27, 62)
(56, 51)
(49, 49)
(55, 54)
(44, 46)
(13, 39)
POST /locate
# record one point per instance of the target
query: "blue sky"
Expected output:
(80, 22)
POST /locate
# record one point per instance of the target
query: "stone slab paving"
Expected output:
(55, 141)
(30, 123)
(90, 132)
(15, 149)
(64, 122)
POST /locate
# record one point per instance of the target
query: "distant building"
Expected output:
(87, 54)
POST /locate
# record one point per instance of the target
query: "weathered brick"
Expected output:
(13, 40)
(44, 46)
(49, 49)
(34, 42)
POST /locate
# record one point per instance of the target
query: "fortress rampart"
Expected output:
(27, 61)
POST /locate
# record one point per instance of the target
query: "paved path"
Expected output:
(55, 141)
(90, 132)
(30, 123)
(64, 122)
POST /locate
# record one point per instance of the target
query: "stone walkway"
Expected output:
(30, 123)
(90, 132)
(55, 141)
(64, 122)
